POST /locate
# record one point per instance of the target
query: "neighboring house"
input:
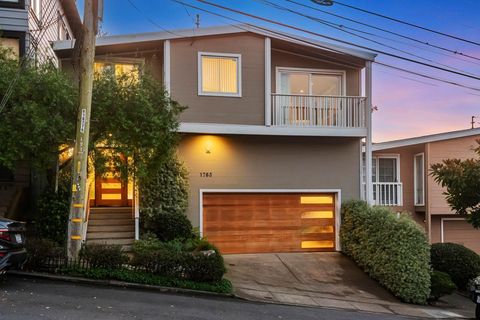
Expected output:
(402, 180)
(28, 28)
(272, 135)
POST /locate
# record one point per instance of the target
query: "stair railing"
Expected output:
(87, 211)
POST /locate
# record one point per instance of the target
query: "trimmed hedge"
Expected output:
(104, 256)
(168, 226)
(461, 263)
(442, 285)
(392, 250)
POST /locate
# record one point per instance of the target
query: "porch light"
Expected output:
(208, 146)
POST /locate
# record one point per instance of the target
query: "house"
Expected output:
(272, 137)
(28, 27)
(402, 180)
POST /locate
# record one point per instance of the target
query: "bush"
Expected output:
(169, 226)
(39, 251)
(461, 263)
(206, 266)
(165, 191)
(394, 251)
(52, 215)
(441, 285)
(103, 256)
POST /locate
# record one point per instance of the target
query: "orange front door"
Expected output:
(110, 191)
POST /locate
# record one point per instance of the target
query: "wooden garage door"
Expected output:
(269, 222)
(459, 231)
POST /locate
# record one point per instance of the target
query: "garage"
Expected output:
(261, 222)
(457, 230)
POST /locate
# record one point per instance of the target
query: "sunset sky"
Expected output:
(407, 105)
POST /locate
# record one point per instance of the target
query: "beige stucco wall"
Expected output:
(270, 162)
(285, 59)
(247, 109)
(461, 148)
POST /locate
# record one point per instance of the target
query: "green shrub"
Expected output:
(441, 285)
(52, 215)
(165, 191)
(103, 256)
(40, 251)
(392, 250)
(169, 226)
(204, 266)
(461, 263)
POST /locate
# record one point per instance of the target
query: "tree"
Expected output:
(461, 178)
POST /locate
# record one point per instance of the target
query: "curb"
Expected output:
(120, 284)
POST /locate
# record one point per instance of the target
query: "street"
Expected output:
(22, 299)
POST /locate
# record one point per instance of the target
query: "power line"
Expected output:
(407, 23)
(151, 20)
(456, 52)
(338, 40)
(341, 28)
(316, 45)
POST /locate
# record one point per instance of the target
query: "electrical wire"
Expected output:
(314, 44)
(340, 28)
(337, 40)
(456, 52)
(408, 23)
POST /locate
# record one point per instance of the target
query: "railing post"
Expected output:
(368, 138)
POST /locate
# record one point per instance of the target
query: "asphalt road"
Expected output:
(22, 299)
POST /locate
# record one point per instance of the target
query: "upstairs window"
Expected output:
(11, 44)
(219, 74)
(419, 179)
(297, 81)
(118, 68)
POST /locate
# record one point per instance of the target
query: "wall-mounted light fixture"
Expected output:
(208, 146)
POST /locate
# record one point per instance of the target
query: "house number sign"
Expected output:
(206, 174)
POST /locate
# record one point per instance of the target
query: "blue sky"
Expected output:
(407, 105)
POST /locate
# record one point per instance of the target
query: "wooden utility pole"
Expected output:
(80, 156)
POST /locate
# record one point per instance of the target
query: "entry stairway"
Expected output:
(111, 225)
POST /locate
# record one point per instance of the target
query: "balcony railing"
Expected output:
(388, 193)
(318, 111)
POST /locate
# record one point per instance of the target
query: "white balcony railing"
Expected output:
(318, 111)
(388, 193)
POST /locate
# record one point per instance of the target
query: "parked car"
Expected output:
(12, 244)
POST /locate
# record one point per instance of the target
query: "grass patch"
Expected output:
(134, 276)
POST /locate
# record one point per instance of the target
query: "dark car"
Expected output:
(12, 244)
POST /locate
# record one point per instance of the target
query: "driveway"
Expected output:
(328, 280)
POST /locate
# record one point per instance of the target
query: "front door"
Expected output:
(110, 191)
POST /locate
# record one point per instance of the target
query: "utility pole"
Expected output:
(473, 122)
(80, 156)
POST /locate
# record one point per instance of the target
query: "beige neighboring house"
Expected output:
(272, 135)
(28, 28)
(402, 181)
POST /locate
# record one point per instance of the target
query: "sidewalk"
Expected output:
(328, 280)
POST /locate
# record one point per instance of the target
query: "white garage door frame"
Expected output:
(338, 203)
(442, 230)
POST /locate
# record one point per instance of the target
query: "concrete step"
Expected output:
(111, 209)
(111, 241)
(109, 216)
(114, 222)
(110, 235)
(111, 228)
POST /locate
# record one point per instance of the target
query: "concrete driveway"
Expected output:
(329, 280)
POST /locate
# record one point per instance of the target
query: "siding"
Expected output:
(265, 162)
(455, 148)
(13, 20)
(248, 109)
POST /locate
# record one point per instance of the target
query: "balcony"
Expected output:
(342, 112)
(388, 193)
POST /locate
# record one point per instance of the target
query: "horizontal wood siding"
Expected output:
(13, 20)
(262, 222)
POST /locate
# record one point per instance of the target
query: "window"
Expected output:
(386, 168)
(12, 44)
(219, 74)
(19, 4)
(119, 68)
(310, 82)
(419, 179)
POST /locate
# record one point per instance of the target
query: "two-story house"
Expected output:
(272, 136)
(28, 28)
(402, 181)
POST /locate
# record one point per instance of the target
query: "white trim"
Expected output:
(442, 232)
(378, 156)
(368, 139)
(422, 154)
(166, 66)
(338, 200)
(237, 56)
(426, 139)
(268, 82)
(208, 31)
(342, 73)
(217, 128)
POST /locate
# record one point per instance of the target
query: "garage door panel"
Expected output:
(459, 231)
(276, 222)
